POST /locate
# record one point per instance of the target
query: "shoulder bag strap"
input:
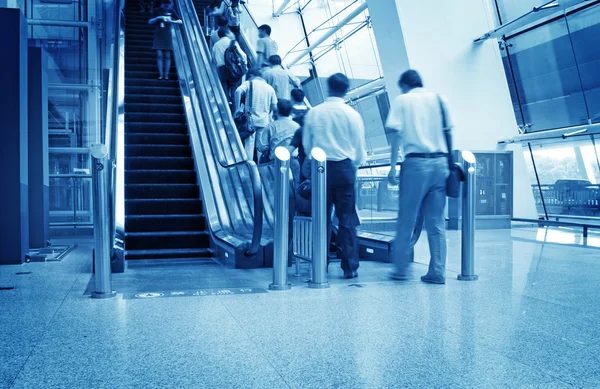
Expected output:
(446, 131)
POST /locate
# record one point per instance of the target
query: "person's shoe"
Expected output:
(400, 276)
(349, 275)
(433, 280)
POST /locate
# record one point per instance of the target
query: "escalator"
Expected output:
(164, 216)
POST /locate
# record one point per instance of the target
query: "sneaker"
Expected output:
(400, 276)
(433, 280)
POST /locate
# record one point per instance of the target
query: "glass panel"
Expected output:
(512, 9)
(568, 174)
(375, 134)
(585, 35)
(377, 201)
(546, 77)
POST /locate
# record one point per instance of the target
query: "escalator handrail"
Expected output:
(192, 27)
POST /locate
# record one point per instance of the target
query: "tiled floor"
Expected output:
(531, 321)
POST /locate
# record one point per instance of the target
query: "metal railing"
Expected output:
(216, 117)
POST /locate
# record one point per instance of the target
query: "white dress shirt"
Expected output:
(282, 80)
(416, 117)
(337, 129)
(263, 98)
(219, 51)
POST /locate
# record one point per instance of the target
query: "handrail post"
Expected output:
(102, 241)
(467, 268)
(319, 219)
(282, 216)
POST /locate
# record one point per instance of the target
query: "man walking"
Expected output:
(262, 105)
(280, 78)
(417, 117)
(339, 130)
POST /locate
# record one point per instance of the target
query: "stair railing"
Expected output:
(220, 127)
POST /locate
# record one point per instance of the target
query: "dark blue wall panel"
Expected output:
(14, 204)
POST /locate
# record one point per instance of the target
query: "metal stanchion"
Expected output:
(282, 216)
(319, 219)
(467, 268)
(102, 278)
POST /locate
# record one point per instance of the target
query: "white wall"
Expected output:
(436, 38)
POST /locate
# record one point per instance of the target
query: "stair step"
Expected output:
(162, 191)
(161, 139)
(153, 223)
(164, 206)
(150, 90)
(157, 128)
(166, 240)
(155, 117)
(157, 163)
(139, 61)
(150, 73)
(155, 83)
(151, 98)
(145, 67)
(169, 254)
(153, 108)
(158, 151)
(160, 176)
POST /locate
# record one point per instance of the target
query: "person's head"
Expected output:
(275, 60)
(338, 85)
(221, 22)
(223, 32)
(297, 95)
(410, 80)
(253, 73)
(165, 3)
(284, 107)
(264, 31)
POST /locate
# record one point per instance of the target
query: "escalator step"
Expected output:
(156, 223)
(160, 139)
(166, 240)
(151, 98)
(166, 128)
(167, 163)
(158, 151)
(169, 254)
(163, 206)
(155, 117)
(162, 191)
(153, 108)
(150, 90)
(160, 177)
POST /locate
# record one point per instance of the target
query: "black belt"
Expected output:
(425, 155)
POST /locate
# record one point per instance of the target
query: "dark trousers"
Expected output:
(341, 193)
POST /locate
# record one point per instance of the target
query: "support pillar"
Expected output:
(14, 207)
(39, 203)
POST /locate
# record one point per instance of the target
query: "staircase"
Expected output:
(163, 212)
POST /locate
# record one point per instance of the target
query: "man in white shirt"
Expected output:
(417, 119)
(265, 47)
(214, 35)
(339, 130)
(280, 78)
(262, 106)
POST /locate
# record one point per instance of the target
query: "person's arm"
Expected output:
(395, 124)
(449, 123)
(260, 52)
(361, 149)
(273, 102)
(174, 19)
(155, 19)
(307, 130)
(295, 81)
(219, 11)
(239, 92)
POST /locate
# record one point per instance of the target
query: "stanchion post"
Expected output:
(319, 219)
(102, 239)
(282, 217)
(467, 267)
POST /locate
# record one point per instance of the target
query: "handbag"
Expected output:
(243, 121)
(456, 175)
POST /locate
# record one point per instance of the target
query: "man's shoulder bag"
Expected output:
(243, 121)
(456, 175)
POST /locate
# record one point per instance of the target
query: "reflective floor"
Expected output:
(531, 321)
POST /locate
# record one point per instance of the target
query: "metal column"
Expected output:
(467, 268)
(319, 219)
(102, 241)
(282, 216)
